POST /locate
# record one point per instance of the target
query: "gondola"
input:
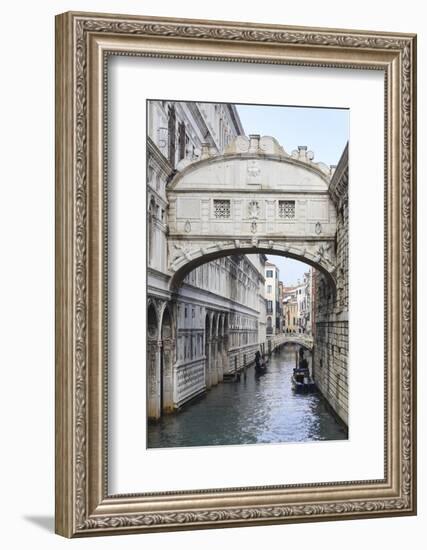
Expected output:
(302, 381)
(261, 368)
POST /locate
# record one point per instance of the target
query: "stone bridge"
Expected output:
(299, 339)
(255, 198)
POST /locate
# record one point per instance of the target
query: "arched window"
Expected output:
(182, 141)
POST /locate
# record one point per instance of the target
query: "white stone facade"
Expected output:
(211, 324)
(219, 312)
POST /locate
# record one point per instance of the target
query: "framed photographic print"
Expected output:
(235, 274)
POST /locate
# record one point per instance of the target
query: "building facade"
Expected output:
(304, 304)
(279, 316)
(331, 305)
(272, 296)
(212, 325)
(290, 310)
(297, 306)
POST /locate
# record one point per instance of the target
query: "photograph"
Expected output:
(247, 274)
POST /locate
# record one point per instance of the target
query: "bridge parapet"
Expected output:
(262, 147)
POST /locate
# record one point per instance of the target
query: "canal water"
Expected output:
(258, 409)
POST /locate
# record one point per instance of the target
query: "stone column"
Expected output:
(153, 365)
(168, 362)
(208, 364)
(214, 362)
(158, 377)
(225, 365)
(220, 360)
(152, 405)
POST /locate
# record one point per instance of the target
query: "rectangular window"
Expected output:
(171, 135)
(221, 208)
(269, 274)
(182, 140)
(269, 289)
(287, 210)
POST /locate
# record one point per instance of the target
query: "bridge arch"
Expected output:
(306, 344)
(199, 257)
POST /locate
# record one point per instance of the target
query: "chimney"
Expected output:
(253, 143)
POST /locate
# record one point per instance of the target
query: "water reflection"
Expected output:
(258, 409)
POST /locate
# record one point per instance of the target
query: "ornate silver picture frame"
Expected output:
(84, 44)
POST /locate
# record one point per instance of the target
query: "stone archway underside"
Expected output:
(186, 256)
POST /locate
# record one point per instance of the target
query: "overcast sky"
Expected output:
(291, 271)
(323, 131)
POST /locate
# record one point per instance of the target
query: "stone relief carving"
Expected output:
(241, 144)
(254, 209)
(253, 171)
(181, 250)
(323, 253)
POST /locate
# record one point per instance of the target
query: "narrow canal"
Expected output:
(258, 409)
